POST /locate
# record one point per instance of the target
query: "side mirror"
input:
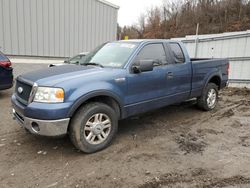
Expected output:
(143, 66)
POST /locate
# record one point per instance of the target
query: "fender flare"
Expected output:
(92, 94)
(215, 74)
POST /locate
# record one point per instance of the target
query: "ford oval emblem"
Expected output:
(20, 90)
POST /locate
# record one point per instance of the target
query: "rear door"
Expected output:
(178, 73)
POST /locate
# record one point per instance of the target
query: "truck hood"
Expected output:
(54, 75)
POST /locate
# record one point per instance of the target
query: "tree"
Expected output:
(179, 18)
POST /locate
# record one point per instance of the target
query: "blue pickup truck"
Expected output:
(115, 81)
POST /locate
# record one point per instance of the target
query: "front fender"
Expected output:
(93, 94)
(82, 94)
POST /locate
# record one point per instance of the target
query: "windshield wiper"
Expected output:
(95, 64)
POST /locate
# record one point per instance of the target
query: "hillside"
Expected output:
(180, 19)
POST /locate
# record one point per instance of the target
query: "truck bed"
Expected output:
(199, 63)
(202, 68)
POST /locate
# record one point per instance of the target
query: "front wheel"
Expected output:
(209, 98)
(93, 127)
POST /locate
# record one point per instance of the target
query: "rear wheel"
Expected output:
(93, 127)
(209, 98)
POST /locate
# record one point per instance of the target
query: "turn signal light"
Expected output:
(60, 94)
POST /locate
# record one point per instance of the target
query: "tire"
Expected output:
(93, 127)
(204, 102)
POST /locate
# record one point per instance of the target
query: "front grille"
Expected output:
(23, 97)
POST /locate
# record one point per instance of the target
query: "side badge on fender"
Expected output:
(118, 80)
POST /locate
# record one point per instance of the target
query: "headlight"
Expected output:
(49, 95)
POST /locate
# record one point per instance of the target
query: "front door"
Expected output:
(144, 89)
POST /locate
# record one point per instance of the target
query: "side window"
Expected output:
(177, 53)
(153, 52)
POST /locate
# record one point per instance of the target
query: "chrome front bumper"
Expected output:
(43, 127)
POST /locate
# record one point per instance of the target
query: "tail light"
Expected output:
(5, 64)
(228, 68)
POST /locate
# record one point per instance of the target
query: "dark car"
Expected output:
(6, 72)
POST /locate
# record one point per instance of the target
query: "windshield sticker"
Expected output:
(127, 45)
(114, 64)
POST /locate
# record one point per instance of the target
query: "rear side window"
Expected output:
(153, 52)
(3, 57)
(177, 53)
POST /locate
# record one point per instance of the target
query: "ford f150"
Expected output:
(115, 81)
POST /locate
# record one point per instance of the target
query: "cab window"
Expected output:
(154, 52)
(177, 53)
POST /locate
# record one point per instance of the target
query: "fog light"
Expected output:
(35, 126)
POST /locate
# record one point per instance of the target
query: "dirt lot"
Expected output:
(177, 146)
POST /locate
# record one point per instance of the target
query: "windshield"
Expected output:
(113, 54)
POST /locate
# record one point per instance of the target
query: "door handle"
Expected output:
(170, 75)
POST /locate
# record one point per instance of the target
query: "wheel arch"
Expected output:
(214, 78)
(100, 96)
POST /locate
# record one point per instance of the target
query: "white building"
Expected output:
(58, 28)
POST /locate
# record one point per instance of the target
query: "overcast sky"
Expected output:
(130, 10)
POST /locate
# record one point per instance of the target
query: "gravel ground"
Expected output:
(176, 146)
